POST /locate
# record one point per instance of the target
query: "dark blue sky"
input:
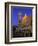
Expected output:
(15, 10)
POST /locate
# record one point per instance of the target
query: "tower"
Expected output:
(19, 20)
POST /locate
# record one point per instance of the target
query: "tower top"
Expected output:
(19, 13)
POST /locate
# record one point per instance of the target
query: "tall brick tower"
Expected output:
(19, 19)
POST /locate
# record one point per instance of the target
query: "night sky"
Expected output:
(14, 13)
